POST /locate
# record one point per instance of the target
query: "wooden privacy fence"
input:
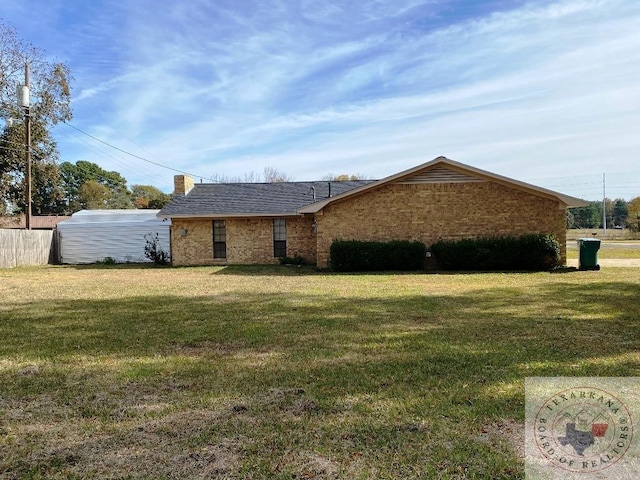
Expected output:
(26, 247)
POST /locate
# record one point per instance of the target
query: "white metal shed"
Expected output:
(90, 236)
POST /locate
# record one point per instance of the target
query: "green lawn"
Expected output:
(276, 372)
(623, 249)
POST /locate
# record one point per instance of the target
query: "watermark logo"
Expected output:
(582, 427)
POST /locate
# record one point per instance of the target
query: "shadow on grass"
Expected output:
(375, 375)
(265, 270)
(288, 270)
(555, 323)
(115, 266)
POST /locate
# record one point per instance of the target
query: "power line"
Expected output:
(136, 156)
(122, 160)
(102, 152)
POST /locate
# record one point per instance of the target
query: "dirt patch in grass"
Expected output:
(190, 373)
(169, 447)
(307, 465)
(506, 432)
(278, 401)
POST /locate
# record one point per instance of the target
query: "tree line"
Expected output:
(618, 214)
(69, 187)
(57, 188)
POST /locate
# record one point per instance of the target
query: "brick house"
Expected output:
(256, 223)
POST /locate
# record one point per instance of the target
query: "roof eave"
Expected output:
(315, 207)
(565, 201)
(229, 215)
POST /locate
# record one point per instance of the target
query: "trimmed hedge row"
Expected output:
(359, 256)
(532, 252)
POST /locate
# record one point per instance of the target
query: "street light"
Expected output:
(23, 102)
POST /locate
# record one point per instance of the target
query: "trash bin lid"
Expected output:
(591, 242)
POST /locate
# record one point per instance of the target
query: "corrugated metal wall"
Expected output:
(83, 239)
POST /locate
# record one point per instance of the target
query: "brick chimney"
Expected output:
(182, 184)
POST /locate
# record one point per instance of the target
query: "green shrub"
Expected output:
(359, 256)
(107, 261)
(153, 250)
(531, 252)
(295, 260)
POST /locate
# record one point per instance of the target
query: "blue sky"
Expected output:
(546, 92)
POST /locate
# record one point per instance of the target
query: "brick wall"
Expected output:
(196, 247)
(249, 241)
(301, 239)
(424, 212)
(427, 212)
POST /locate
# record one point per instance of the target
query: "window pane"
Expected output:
(219, 250)
(279, 237)
(279, 229)
(219, 231)
(279, 248)
(219, 239)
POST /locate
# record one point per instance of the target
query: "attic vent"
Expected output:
(440, 175)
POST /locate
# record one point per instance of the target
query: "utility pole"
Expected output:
(604, 206)
(24, 102)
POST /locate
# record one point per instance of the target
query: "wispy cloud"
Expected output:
(541, 89)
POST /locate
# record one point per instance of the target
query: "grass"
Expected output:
(611, 234)
(277, 372)
(624, 249)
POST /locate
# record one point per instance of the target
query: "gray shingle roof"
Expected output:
(220, 199)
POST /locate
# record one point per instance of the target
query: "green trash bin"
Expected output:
(588, 248)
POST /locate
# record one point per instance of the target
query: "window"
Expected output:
(279, 237)
(219, 239)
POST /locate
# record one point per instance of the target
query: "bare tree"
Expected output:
(343, 177)
(250, 177)
(273, 175)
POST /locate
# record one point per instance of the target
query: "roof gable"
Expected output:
(444, 170)
(439, 174)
